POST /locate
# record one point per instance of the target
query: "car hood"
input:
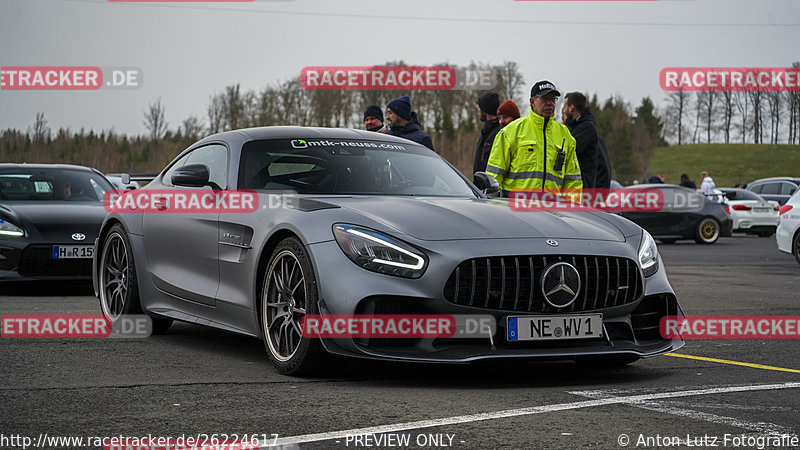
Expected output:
(55, 220)
(439, 219)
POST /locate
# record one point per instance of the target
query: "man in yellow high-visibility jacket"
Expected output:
(536, 152)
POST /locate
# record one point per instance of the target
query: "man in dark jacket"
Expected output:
(488, 104)
(603, 176)
(581, 124)
(686, 182)
(404, 123)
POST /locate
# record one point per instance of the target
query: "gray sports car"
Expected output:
(377, 226)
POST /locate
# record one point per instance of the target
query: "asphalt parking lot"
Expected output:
(197, 381)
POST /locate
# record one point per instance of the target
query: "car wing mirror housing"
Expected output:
(487, 184)
(191, 175)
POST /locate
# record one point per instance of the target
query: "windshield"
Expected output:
(52, 185)
(348, 167)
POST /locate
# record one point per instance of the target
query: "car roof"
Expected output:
(792, 179)
(656, 186)
(26, 166)
(294, 132)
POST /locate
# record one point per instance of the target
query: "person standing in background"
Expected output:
(487, 112)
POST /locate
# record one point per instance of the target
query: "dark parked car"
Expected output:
(379, 225)
(779, 189)
(50, 216)
(705, 225)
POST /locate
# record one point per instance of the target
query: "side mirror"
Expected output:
(125, 178)
(191, 175)
(487, 184)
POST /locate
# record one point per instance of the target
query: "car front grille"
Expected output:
(512, 283)
(37, 260)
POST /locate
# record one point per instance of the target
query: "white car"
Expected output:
(788, 234)
(751, 214)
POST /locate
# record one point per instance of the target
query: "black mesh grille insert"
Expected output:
(512, 283)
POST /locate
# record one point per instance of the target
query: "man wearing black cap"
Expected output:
(373, 119)
(581, 123)
(536, 152)
(487, 110)
(404, 123)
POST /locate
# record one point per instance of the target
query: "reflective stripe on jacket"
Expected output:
(518, 159)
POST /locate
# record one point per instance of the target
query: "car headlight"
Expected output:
(9, 229)
(648, 254)
(378, 252)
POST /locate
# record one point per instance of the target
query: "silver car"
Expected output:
(376, 225)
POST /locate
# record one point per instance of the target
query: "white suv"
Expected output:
(788, 234)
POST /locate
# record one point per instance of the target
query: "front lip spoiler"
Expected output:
(675, 344)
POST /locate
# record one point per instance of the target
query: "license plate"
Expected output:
(73, 251)
(761, 210)
(552, 328)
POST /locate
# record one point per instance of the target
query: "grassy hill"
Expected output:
(727, 164)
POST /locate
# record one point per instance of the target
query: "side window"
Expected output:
(215, 156)
(788, 188)
(771, 189)
(179, 163)
(757, 188)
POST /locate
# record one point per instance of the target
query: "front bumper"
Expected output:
(24, 261)
(630, 329)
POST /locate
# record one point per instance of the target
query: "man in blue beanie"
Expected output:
(404, 123)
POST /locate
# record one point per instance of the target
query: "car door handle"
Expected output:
(161, 204)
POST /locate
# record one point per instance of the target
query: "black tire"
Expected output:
(796, 247)
(118, 286)
(283, 305)
(707, 231)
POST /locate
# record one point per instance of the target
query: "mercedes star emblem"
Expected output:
(561, 284)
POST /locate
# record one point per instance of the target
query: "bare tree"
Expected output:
(705, 105)
(509, 80)
(154, 120)
(41, 131)
(727, 114)
(741, 98)
(774, 105)
(192, 127)
(216, 112)
(679, 103)
(756, 98)
(234, 108)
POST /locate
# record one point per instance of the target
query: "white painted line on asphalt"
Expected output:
(661, 407)
(633, 399)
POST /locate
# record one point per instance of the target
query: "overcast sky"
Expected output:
(186, 51)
